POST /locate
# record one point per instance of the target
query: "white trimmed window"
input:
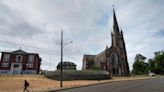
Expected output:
(6, 57)
(29, 65)
(5, 64)
(19, 58)
(31, 58)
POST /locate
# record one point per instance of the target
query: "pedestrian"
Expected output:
(26, 84)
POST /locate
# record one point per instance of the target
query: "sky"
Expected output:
(35, 26)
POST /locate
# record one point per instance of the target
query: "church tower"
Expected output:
(119, 44)
(114, 58)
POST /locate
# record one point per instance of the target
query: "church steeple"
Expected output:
(115, 24)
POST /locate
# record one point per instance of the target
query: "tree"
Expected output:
(151, 64)
(157, 63)
(139, 66)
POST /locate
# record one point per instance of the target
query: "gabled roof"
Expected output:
(101, 53)
(89, 57)
(19, 52)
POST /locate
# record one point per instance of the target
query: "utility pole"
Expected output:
(61, 63)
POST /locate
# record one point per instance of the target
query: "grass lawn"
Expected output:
(15, 83)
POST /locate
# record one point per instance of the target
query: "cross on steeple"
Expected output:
(20, 48)
(113, 6)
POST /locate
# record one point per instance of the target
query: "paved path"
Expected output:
(146, 85)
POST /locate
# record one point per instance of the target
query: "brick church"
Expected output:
(113, 58)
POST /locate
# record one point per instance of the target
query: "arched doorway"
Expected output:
(113, 64)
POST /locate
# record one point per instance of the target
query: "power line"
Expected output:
(47, 51)
(27, 46)
(33, 39)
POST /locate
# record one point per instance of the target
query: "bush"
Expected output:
(94, 67)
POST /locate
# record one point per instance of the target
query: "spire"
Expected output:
(115, 24)
(121, 31)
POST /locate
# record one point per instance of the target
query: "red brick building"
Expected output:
(19, 62)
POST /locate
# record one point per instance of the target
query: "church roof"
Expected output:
(115, 23)
(101, 53)
(89, 57)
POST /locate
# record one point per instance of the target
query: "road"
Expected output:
(146, 85)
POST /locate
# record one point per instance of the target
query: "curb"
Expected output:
(61, 89)
(78, 86)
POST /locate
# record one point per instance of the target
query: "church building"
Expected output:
(114, 58)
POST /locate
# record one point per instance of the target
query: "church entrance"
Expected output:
(115, 71)
(113, 63)
(16, 68)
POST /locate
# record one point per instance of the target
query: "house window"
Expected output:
(6, 57)
(5, 64)
(29, 65)
(16, 66)
(19, 58)
(31, 58)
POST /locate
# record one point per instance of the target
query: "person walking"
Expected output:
(26, 84)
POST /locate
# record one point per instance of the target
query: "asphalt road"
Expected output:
(146, 85)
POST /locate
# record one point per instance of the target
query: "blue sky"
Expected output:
(35, 25)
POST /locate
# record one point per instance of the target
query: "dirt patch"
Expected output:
(14, 83)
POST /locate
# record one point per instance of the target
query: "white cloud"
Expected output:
(141, 22)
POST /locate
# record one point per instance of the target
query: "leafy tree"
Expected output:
(157, 63)
(146, 67)
(139, 66)
(151, 64)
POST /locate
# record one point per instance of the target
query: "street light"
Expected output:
(67, 43)
(61, 63)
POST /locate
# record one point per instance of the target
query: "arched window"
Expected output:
(114, 58)
(19, 58)
(114, 64)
